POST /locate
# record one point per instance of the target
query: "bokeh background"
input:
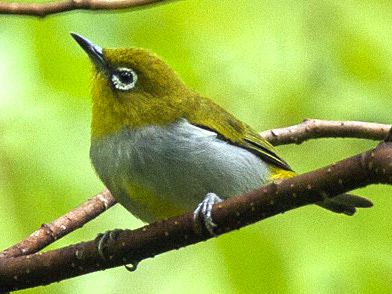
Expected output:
(271, 63)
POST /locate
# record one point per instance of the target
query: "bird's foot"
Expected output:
(203, 212)
(102, 240)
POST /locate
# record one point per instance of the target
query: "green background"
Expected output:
(271, 63)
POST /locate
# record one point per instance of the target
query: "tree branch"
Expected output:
(371, 167)
(309, 129)
(47, 8)
(315, 128)
(48, 233)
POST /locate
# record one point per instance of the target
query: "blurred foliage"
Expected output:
(272, 63)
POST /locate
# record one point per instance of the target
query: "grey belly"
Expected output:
(180, 163)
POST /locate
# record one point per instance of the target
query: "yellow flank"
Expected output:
(280, 173)
(149, 205)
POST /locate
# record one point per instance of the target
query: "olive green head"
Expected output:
(132, 87)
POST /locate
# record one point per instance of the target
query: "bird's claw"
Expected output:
(203, 212)
(102, 241)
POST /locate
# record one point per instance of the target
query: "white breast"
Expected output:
(180, 162)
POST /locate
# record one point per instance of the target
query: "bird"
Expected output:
(162, 149)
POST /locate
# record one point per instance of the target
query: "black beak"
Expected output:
(94, 52)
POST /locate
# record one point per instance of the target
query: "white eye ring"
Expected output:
(124, 79)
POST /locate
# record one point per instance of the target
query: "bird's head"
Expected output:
(132, 88)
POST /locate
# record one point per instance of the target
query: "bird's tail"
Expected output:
(345, 203)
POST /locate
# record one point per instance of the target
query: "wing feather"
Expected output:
(211, 116)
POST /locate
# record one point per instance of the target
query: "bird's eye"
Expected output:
(124, 79)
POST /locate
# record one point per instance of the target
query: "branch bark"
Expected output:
(309, 129)
(371, 167)
(47, 8)
(48, 233)
(315, 128)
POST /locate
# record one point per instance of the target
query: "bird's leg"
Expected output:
(102, 240)
(203, 211)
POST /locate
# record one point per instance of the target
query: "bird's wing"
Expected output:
(261, 147)
(211, 116)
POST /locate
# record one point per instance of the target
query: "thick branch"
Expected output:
(374, 166)
(309, 129)
(315, 128)
(44, 9)
(48, 233)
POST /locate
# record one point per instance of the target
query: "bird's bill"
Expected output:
(93, 51)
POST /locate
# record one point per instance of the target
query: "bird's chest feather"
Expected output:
(157, 172)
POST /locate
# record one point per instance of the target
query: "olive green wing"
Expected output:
(211, 116)
(262, 148)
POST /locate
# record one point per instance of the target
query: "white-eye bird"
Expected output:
(163, 150)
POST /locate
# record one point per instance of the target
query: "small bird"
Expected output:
(163, 150)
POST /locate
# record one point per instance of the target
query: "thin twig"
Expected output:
(48, 233)
(315, 128)
(47, 8)
(371, 167)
